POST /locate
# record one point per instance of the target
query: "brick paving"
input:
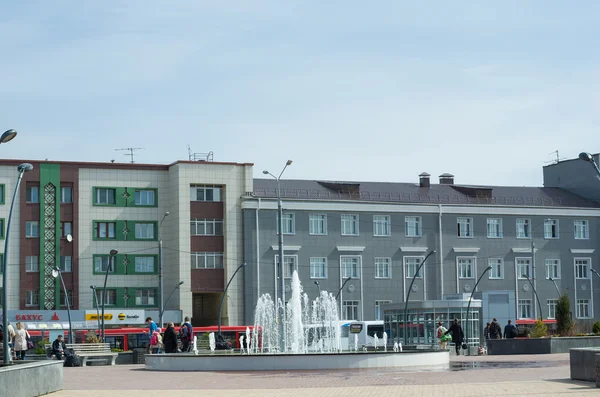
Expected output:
(526, 375)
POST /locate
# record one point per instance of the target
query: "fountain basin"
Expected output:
(285, 362)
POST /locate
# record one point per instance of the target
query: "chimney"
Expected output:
(446, 179)
(424, 179)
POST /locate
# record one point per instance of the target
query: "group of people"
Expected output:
(167, 341)
(494, 331)
(19, 339)
(491, 331)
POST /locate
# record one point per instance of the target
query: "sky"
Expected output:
(349, 90)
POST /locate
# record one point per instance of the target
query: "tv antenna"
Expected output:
(131, 151)
(557, 159)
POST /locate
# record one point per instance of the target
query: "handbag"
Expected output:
(30, 344)
(464, 346)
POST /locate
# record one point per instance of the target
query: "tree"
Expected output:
(539, 330)
(564, 323)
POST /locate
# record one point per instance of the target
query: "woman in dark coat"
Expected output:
(170, 339)
(458, 336)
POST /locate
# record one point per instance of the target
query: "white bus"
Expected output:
(365, 332)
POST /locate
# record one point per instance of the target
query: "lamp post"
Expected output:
(408, 295)
(93, 287)
(318, 286)
(161, 307)
(282, 320)
(56, 272)
(595, 272)
(22, 168)
(225, 293)
(590, 159)
(487, 269)
(555, 286)
(535, 293)
(169, 297)
(113, 252)
(339, 292)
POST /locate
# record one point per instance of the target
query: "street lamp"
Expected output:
(535, 293)
(113, 252)
(408, 295)
(555, 286)
(595, 272)
(318, 286)
(487, 269)
(225, 293)
(56, 272)
(161, 307)
(339, 292)
(8, 135)
(93, 287)
(22, 168)
(590, 159)
(282, 325)
(169, 297)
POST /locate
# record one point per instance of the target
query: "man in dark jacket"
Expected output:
(59, 348)
(170, 339)
(510, 331)
(458, 336)
(495, 330)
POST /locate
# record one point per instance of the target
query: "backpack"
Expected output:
(187, 332)
(495, 331)
(441, 331)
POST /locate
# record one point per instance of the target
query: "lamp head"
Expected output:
(92, 286)
(113, 252)
(167, 213)
(489, 268)
(585, 156)
(181, 283)
(524, 276)
(55, 271)
(265, 172)
(24, 167)
(288, 163)
(316, 282)
(593, 271)
(8, 136)
(69, 238)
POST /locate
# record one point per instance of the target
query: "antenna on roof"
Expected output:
(556, 160)
(131, 151)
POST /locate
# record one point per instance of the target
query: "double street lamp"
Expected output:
(417, 272)
(487, 269)
(109, 266)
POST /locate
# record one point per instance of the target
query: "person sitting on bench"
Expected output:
(59, 348)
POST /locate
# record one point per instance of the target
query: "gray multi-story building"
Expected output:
(370, 238)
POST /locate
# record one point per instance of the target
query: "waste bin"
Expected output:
(139, 355)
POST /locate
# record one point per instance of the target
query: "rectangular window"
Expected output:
(289, 223)
(207, 260)
(465, 227)
(290, 263)
(497, 272)
(66, 264)
(32, 194)
(382, 225)
(552, 307)
(206, 227)
(523, 268)
(66, 195)
(523, 228)
(2, 198)
(378, 311)
(318, 267)
(383, 267)
(104, 229)
(32, 229)
(349, 225)
(109, 296)
(552, 269)
(66, 228)
(144, 297)
(581, 230)
(317, 224)
(582, 268)
(105, 196)
(494, 227)
(32, 298)
(205, 193)
(525, 308)
(411, 264)
(63, 301)
(412, 226)
(103, 262)
(583, 308)
(551, 228)
(2, 228)
(144, 264)
(32, 264)
(466, 267)
(144, 197)
(144, 231)
(350, 266)
(350, 310)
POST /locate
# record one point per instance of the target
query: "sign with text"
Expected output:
(120, 317)
(356, 328)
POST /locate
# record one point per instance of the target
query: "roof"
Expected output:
(412, 193)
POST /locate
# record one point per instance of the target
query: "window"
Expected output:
(66, 195)
(378, 312)
(205, 193)
(552, 268)
(101, 263)
(525, 308)
(32, 298)
(32, 264)
(582, 268)
(144, 264)
(1, 228)
(494, 228)
(104, 229)
(552, 307)
(66, 264)
(350, 310)
(144, 197)
(411, 264)
(289, 223)
(144, 231)
(318, 267)
(412, 226)
(350, 266)
(32, 229)
(523, 268)
(1, 201)
(207, 260)
(383, 267)
(32, 194)
(523, 228)
(349, 225)
(105, 196)
(63, 301)
(466, 267)
(65, 229)
(581, 230)
(206, 227)
(551, 228)
(381, 225)
(465, 227)
(317, 224)
(109, 296)
(290, 263)
(144, 297)
(497, 272)
(583, 308)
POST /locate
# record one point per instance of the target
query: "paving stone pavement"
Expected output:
(527, 375)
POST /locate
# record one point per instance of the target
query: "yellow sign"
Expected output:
(121, 316)
(95, 317)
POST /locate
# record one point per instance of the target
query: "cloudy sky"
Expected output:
(350, 90)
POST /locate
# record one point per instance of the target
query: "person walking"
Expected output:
(152, 327)
(510, 331)
(20, 342)
(170, 339)
(495, 330)
(440, 331)
(458, 336)
(186, 333)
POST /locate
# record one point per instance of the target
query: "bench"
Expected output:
(88, 352)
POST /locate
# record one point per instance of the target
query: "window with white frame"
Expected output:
(105, 196)
(350, 310)
(103, 262)
(108, 296)
(317, 224)
(32, 229)
(523, 268)
(383, 267)
(349, 225)
(66, 264)
(32, 194)
(32, 298)
(104, 229)
(466, 267)
(206, 227)
(32, 264)
(497, 272)
(378, 311)
(207, 260)
(205, 193)
(552, 269)
(523, 228)
(66, 194)
(144, 231)
(551, 228)
(144, 264)
(465, 227)
(494, 227)
(583, 308)
(290, 263)
(382, 225)
(581, 230)
(144, 197)
(289, 223)
(552, 307)
(412, 226)
(350, 266)
(318, 267)
(524, 308)
(144, 297)
(411, 264)
(582, 268)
